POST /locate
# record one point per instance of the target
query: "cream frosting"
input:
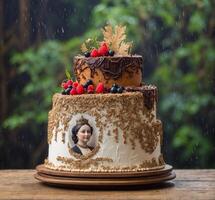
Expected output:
(126, 135)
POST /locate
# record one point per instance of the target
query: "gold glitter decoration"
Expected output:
(147, 139)
(112, 112)
(86, 166)
(161, 160)
(116, 135)
(160, 131)
(63, 137)
(144, 165)
(149, 164)
(51, 125)
(82, 164)
(55, 136)
(46, 161)
(84, 157)
(48, 164)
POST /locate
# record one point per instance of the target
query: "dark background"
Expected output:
(38, 39)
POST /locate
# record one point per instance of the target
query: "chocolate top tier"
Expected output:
(111, 68)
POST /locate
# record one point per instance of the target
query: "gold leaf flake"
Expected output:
(116, 40)
(108, 34)
(84, 48)
(124, 49)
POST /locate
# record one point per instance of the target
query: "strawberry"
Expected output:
(69, 82)
(103, 50)
(100, 88)
(64, 85)
(90, 89)
(73, 91)
(75, 84)
(80, 89)
(94, 53)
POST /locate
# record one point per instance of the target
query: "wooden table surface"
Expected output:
(189, 184)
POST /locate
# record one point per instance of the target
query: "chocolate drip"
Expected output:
(149, 98)
(149, 92)
(111, 67)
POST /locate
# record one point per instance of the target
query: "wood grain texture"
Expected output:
(189, 184)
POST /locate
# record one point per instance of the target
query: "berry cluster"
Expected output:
(74, 88)
(103, 50)
(116, 89)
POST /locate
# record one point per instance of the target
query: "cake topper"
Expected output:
(115, 39)
(114, 42)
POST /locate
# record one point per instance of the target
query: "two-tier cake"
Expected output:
(104, 124)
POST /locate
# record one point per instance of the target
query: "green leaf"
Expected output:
(68, 74)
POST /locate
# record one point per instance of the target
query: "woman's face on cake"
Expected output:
(84, 133)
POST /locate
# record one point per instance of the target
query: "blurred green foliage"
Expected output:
(176, 39)
(43, 67)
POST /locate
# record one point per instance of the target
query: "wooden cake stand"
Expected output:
(83, 179)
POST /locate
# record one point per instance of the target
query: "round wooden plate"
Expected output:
(57, 179)
(66, 181)
(150, 172)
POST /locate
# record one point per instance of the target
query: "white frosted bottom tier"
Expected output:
(107, 156)
(126, 134)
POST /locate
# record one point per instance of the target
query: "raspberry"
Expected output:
(94, 53)
(80, 89)
(100, 88)
(69, 82)
(103, 50)
(75, 84)
(73, 91)
(90, 89)
(64, 85)
(104, 44)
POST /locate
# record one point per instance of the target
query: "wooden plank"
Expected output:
(190, 174)
(189, 184)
